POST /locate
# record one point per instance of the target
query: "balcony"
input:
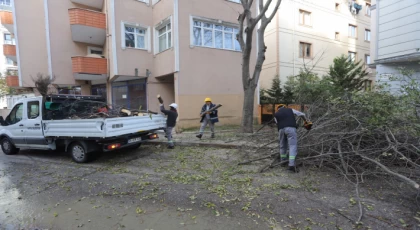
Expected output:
(6, 18)
(10, 51)
(89, 68)
(97, 4)
(87, 26)
(12, 81)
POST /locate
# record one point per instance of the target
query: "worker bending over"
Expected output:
(286, 124)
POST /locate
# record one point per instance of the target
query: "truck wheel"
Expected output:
(78, 153)
(8, 147)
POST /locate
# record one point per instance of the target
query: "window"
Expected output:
(367, 35)
(5, 2)
(135, 37)
(215, 36)
(9, 61)
(368, 85)
(337, 6)
(8, 39)
(33, 109)
(368, 12)
(352, 31)
(305, 50)
(16, 115)
(95, 50)
(367, 59)
(352, 56)
(305, 18)
(164, 36)
(337, 36)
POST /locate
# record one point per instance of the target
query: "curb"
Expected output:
(197, 144)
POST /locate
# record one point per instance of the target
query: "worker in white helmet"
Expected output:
(172, 115)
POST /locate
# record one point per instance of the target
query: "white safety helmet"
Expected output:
(173, 105)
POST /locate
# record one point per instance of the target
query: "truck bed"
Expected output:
(102, 127)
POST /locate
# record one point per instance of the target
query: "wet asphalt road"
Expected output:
(46, 190)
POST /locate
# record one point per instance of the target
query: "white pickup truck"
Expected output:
(24, 128)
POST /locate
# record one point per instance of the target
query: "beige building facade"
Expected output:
(131, 50)
(312, 34)
(396, 35)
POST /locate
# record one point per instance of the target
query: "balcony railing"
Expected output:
(88, 26)
(12, 81)
(89, 65)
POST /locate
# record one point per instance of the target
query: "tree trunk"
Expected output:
(248, 110)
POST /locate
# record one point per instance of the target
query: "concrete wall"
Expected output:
(399, 32)
(62, 45)
(4, 112)
(208, 72)
(283, 37)
(129, 59)
(394, 70)
(31, 27)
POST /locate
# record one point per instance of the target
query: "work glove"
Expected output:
(307, 125)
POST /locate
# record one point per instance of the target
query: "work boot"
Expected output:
(199, 136)
(212, 135)
(293, 169)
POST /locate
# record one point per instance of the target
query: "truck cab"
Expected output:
(72, 126)
(22, 127)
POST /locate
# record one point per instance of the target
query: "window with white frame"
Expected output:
(367, 35)
(337, 36)
(305, 18)
(135, 37)
(9, 61)
(352, 31)
(352, 56)
(213, 35)
(5, 2)
(368, 12)
(305, 50)
(164, 36)
(8, 39)
(95, 50)
(367, 59)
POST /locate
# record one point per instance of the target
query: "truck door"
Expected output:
(33, 131)
(15, 125)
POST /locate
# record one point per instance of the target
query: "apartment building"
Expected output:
(312, 34)
(131, 50)
(6, 64)
(395, 30)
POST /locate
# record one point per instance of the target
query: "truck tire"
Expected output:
(78, 153)
(8, 147)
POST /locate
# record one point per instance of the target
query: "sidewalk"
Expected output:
(225, 137)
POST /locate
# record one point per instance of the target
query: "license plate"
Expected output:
(134, 140)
